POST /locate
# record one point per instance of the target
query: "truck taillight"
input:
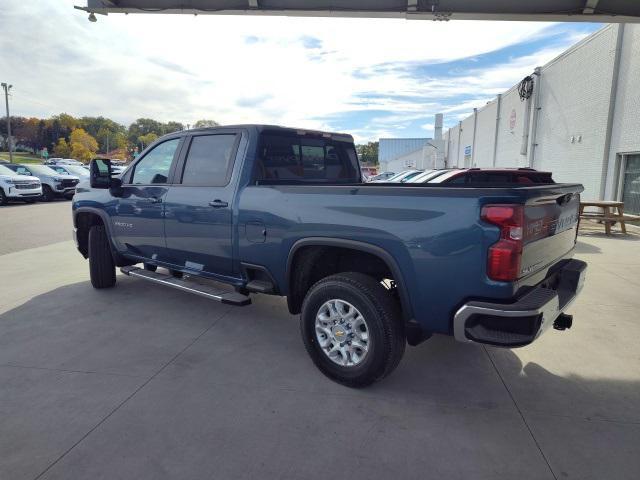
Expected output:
(503, 263)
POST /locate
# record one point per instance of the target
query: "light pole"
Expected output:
(6, 102)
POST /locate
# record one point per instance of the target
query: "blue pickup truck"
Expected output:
(231, 211)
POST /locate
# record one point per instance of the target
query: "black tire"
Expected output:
(102, 269)
(382, 315)
(149, 267)
(47, 194)
(3, 197)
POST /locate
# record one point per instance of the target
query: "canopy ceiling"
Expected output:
(609, 11)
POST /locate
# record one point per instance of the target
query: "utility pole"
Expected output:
(107, 142)
(6, 102)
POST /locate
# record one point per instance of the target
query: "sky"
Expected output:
(369, 77)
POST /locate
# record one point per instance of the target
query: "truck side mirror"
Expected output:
(100, 173)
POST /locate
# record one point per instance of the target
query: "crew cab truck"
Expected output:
(231, 211)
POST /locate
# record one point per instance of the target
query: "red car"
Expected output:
(493, 176)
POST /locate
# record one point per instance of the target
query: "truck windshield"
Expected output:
(291, 158)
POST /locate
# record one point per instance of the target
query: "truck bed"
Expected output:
(433, 232)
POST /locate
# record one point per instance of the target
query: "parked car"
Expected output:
(53, 183)
(381, 177)
(118, 169)
(117, 166)
(52, 160)
(18, 187)
(79, 171)
(62, 161)
(427, 175)
(368, 266)
(402, 177)
(70, 161)
(495, 176)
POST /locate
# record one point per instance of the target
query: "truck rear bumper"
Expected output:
(520, 323)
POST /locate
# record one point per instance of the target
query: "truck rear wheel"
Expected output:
(102, 269)
(351, 328)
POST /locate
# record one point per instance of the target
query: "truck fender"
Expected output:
(375, 250)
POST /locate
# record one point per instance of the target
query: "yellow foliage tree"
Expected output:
(83, 145)
(62, 148)
(147, 139)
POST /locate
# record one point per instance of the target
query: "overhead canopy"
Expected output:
(527, 10)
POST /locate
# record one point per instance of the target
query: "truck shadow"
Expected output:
(250, 364)
(133, 329)
(583, 247)
(616, 234)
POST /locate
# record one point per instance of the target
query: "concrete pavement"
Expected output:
(144, 382)
(33, 225)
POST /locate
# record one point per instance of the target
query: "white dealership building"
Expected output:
(580, 119)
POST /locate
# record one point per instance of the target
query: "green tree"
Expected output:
(104, 130)
(120, 141)
(368, 152)
(143, 126)
(62, 148)
(147, 139)
(67, 121)
(205, 124)
(171, 127)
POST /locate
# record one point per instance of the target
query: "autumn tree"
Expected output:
(83, 145)
(28, 134)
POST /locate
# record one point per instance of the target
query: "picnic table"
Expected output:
(611, 212)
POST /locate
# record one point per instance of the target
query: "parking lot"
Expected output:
(147, 382)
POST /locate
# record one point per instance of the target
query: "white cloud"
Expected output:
(240, 69)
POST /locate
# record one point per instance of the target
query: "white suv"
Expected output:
(18, 187)
(53, 184)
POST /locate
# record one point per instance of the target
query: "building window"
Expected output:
(630, 183)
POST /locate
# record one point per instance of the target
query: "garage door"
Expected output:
(631, 184)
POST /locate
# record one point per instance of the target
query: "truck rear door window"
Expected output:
(297, 158)
(208, 161)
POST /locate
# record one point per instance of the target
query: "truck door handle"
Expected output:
(217, 203)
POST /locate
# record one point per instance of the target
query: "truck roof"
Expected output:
(262, 127)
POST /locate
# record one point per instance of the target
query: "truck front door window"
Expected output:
(154, 166)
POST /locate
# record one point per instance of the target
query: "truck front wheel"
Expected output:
(102, 269)
(47, 194)
(351, 328)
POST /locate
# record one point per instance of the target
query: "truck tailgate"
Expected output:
(550, 227)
